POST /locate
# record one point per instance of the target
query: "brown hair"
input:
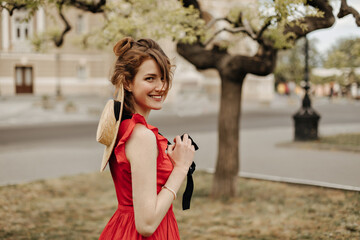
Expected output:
(131, 54)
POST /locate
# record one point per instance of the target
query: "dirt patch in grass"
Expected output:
(79, 207)
(340, 142)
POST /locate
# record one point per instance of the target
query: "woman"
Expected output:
(147, 173)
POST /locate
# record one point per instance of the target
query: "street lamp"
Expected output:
(306, 119)
(57, 69)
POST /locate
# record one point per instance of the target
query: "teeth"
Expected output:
(157, 97)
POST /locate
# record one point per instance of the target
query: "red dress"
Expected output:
(122, 223)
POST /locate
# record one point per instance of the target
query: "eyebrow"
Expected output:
(150, 74)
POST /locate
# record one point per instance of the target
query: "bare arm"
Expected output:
(141, 150)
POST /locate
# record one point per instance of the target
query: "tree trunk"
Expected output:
(227, 167)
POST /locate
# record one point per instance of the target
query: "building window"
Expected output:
(81, 72)
(21, 32)
(22, 29)
(80, 24)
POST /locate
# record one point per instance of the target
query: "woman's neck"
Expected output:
(145, 114)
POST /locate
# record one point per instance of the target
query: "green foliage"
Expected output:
(167, 18)
(278, 15)
(146, 19)
(345, 53)
(30, 5)
(236, 13)
(353, 77)
(328, 79)
(42, 40)
(136, 18)
(291, 62)
(347, 77)
(279, 39)
(37, 40)
(290, 66)
(284, 13)
(150, 18)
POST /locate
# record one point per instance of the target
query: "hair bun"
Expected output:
(123, 45)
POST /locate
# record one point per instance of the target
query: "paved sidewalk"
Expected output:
(260, 155)
(27, 110)
(262, 158)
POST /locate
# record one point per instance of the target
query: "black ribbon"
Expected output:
(190, 182)
(189, 188)
(117, 107)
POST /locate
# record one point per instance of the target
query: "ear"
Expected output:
(128, 87)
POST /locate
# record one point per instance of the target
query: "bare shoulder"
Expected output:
(142, 134)
(141, 140)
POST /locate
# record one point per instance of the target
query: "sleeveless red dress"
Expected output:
(122, 223)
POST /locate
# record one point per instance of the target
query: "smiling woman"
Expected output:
(144, 57)
(147, 173)
(148, 88)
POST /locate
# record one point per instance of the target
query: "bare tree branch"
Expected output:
(234, 30)
(59, 41)
(264, 27)
(88, 6)
(215, 20)
(12, 7)
(313, 23)
(188, 3)
(199, 56)
(249, 29)
(345, 10)
(80, 4)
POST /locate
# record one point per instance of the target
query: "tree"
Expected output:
(290, 62)
(277, 25)
(136, 18)
(344, 53)
(276, 29)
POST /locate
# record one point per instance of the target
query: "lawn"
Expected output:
(339, 142)
(78, 207)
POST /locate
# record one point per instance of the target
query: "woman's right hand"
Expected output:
(181, 153)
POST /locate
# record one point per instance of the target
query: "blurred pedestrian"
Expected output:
(331, 94)
(292, 86)
(281, 88)
(147, 173)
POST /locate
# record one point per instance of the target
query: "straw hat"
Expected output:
(109, 125)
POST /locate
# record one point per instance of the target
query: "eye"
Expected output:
(149, 78)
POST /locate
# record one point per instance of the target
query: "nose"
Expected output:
(160, 85)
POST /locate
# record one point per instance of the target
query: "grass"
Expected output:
(79, 207)
(340, 142)
(350, 139)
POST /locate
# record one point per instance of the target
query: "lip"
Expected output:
(157, 97)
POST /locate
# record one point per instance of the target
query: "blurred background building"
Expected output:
(71, 69)
(68, 69)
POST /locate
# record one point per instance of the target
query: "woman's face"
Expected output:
(148, 88)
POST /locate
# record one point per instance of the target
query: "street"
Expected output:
(53, 150)
(263, 117)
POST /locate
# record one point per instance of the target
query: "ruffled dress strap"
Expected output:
(125, 130)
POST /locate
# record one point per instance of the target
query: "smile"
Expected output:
(156, 96)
